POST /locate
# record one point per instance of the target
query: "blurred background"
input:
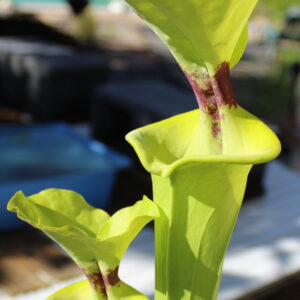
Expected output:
(76, 76)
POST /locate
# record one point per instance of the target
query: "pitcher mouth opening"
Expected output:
(167, 145)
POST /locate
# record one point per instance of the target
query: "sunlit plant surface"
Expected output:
(95, 241)
(199, 162)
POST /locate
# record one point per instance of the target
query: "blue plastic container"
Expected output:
(33, 158)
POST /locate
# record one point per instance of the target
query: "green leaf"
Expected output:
(199, 33)
(82, 291)
(199, 194)
(183, 142)
(96, 241)
(77, 291)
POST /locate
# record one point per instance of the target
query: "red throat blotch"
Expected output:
(212, 93)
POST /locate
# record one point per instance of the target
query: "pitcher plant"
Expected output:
(199, 162)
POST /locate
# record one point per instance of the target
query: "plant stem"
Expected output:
(212, 93)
